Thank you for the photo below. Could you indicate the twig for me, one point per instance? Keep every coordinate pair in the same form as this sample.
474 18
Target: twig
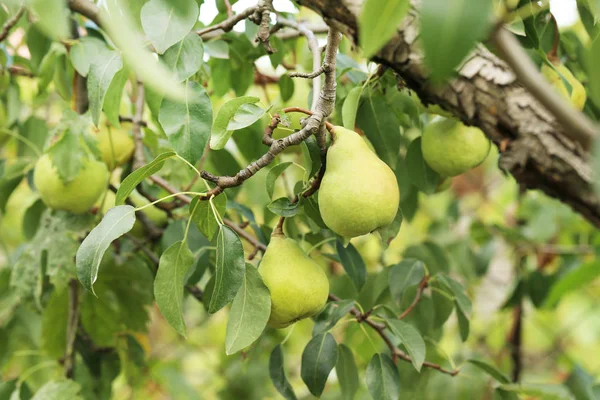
11 22
286 110
72 324
123 118
20 71
228 24
515 342
380 329
321 70
317 29
139 160
262 18
417 298
80 101
228 8
576 124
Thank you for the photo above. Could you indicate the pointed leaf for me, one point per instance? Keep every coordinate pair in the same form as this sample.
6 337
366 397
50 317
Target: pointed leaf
168 285
383 379
203 216
185 58
334 311
277 374
229 269
274 174
116 222
221 132
420 173
407 272
378 22
490 370
347 372
350 107
318 359
390 231
411 339
188 124
573 280
64 389
99 79
249 312
164 25
137 176
353 264
284 207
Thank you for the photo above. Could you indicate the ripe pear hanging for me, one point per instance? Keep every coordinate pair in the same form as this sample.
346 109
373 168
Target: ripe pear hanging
299 287
359 192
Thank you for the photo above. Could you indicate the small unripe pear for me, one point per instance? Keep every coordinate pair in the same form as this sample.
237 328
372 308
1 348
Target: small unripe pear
578 95
451 148
76 196
359 192
299 287
115 145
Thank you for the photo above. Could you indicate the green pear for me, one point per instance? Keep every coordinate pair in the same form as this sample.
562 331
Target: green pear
76 196
359 192
451 148
578 95
299 287
115 145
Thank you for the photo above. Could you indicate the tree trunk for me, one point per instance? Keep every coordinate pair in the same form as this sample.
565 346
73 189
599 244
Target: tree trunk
485 93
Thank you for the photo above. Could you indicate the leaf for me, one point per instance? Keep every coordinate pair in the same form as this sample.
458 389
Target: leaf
221 132
432 255
274 174
53 17
580 384
168 285
54 324
277 374
286 87
408 272
411 339
420 173
203 215
186 57
99 79
63 389
188 124
353 264
318 359
115 223
229 269
334 311
137 176
347 372
463 323
112 100
350 107
378 22
164 25
460 295
84 53
378 121
383 379
245 116
490 370
449 30
284 207
573 280
119 25
389 232
538 391
592 62
249 312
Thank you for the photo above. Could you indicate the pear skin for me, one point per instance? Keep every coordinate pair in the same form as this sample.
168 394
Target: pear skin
115 145
299 287
359 192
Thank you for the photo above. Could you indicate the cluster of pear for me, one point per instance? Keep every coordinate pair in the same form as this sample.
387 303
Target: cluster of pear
83 191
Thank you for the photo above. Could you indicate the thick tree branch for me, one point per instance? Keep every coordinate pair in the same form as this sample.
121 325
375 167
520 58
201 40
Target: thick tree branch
11 22
486 93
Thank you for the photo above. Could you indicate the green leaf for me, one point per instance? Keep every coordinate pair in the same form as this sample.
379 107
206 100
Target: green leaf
411 339
312 155
408 272
63 389
490 370
274 174
188 124
229 269
460 295
32 218
137 176
347 372
112 100
449 30
277 374
580 384
433 256
203 215
318 359
350 107
592 62
539 391
353 264
164 25
54 324
186 57
168 285
378 22
284 207
53 17
389 232
99 79
84 53
286 87
463 322
420 173
333 312
573 280
245 116
249 312
116 222
378 121
221 131
383 379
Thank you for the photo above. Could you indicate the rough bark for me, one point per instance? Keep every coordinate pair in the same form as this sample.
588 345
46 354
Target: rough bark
485 93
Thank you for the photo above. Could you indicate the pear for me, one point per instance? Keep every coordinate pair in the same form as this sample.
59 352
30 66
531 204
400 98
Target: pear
76 196
578 96
359 192
115 145
299 287
451 148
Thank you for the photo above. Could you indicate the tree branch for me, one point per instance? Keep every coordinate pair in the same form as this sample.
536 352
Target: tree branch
72 324
420 290
11 22
228 24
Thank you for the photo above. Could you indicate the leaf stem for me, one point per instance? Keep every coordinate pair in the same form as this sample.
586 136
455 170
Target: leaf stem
168 197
